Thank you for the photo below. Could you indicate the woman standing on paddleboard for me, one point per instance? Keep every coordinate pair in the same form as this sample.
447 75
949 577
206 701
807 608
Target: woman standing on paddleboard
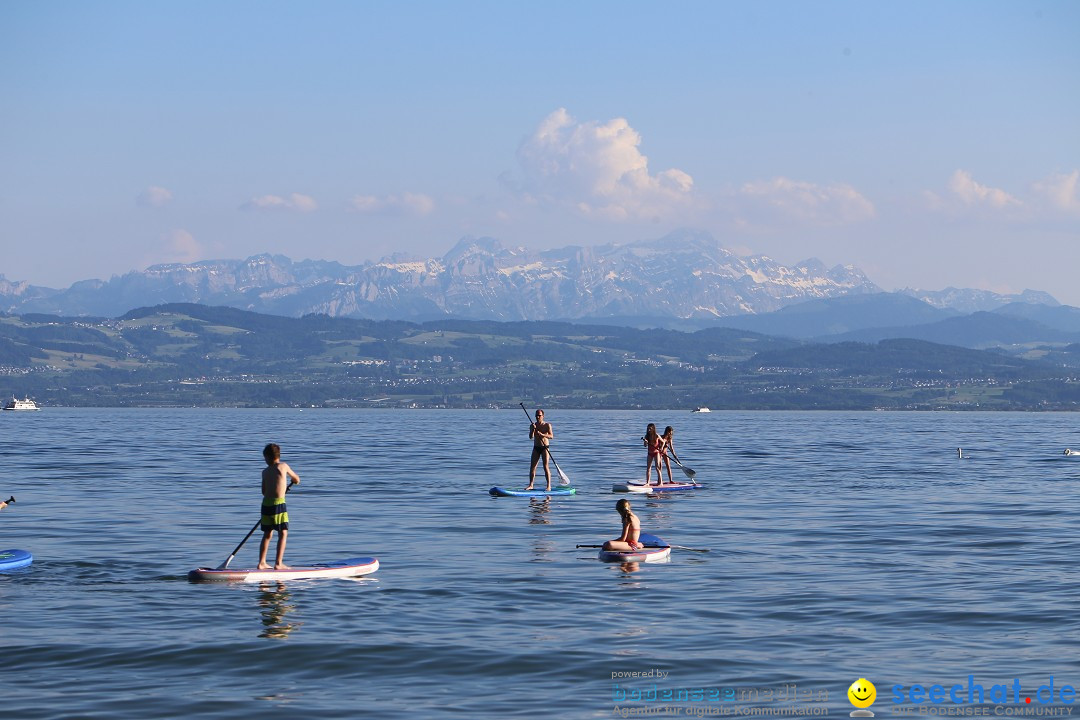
541 434
655 446
631 528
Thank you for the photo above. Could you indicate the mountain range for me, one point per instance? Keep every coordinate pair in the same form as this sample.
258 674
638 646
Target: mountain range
683 281
881 316
685 278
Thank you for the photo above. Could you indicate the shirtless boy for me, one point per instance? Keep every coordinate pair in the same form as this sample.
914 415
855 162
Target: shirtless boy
541 434
276 479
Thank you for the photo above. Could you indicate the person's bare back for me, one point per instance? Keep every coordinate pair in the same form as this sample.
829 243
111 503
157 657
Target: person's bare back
275 479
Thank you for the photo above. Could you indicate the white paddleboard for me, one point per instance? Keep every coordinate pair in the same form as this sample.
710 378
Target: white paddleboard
351 567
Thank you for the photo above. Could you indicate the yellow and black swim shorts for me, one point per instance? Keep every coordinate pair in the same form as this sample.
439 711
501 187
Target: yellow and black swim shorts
274 514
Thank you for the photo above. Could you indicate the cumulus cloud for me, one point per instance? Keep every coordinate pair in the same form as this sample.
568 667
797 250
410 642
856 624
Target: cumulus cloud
969 192
1062 191
294 202
404 204
181 246
597 169
789 200
154 196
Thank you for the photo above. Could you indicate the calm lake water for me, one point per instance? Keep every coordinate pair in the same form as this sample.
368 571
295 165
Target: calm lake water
842 546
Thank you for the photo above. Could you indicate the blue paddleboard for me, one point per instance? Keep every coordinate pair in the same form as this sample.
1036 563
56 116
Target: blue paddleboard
503 492
14 559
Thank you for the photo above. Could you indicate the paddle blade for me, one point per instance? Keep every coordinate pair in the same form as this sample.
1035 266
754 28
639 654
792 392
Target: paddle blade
563 478
688 472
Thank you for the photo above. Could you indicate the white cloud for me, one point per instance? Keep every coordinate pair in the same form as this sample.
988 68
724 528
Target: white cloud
971 193
783 199
294 202
154 196
1062 191
404 204
182 247
597 169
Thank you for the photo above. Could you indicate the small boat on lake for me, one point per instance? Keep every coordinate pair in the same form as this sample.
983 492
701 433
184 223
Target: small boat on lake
25 404
702 409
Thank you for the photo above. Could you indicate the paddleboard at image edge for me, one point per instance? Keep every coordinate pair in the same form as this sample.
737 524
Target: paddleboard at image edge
14 559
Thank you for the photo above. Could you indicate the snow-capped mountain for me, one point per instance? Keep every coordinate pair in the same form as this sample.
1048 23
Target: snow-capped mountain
968 300
683 275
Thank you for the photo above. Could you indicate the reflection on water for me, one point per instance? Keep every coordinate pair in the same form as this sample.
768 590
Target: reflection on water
538 510
860 517
274 601
545 549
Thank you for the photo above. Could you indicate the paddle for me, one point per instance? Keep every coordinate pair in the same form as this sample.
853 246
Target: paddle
687 471
10 500
225 565
563 478
680 547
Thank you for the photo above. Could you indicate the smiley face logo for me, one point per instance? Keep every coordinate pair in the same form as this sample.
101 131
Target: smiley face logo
862 693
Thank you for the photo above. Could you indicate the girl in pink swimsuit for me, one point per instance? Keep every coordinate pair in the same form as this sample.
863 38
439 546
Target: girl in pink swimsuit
655 445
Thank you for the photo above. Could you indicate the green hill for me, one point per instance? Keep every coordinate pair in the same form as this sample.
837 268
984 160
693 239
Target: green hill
186 354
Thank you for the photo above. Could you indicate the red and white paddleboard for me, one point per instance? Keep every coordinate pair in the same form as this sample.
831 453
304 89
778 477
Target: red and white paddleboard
351 567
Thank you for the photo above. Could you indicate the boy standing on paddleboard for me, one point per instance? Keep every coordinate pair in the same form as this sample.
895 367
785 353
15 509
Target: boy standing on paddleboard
276 479
541 434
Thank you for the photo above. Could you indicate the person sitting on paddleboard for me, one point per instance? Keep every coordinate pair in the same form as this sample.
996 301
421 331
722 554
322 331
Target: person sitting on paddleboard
541 434
631 529
276 478
669 447
655 445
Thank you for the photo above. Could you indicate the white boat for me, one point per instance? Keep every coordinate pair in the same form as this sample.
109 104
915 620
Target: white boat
24 404
702 409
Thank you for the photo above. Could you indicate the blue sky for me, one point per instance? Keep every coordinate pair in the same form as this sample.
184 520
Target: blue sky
931 144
